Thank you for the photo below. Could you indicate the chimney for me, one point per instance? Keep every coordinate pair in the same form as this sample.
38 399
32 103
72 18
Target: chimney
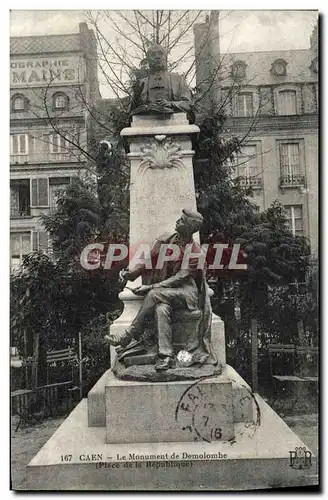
314 38
207 54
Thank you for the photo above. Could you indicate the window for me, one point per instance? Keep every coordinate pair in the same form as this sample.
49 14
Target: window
238 69
248 167
18 103
294 214
244 104
291 164
40 241
316 91
60 101
40 192
290 159
56 186
279 67
314 67
287 102
20 198
58 144
19 144
20 245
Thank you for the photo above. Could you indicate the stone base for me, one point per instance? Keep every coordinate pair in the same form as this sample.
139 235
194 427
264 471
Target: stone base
242 400
180 411
77 458
147 373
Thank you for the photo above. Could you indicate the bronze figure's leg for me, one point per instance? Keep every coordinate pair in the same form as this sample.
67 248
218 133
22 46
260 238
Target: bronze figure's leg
164 319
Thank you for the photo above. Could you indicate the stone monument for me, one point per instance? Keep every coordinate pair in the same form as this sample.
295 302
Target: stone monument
152 424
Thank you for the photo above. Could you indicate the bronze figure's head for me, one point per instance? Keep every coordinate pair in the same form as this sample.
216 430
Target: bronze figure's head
190 222
156 57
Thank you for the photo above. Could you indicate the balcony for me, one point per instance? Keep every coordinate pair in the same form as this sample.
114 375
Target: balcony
254 182
290 181
20 213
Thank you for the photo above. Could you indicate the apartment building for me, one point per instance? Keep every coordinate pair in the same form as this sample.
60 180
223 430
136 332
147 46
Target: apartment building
53 84
271 100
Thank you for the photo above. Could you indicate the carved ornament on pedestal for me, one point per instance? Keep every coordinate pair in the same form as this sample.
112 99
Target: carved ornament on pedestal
161 153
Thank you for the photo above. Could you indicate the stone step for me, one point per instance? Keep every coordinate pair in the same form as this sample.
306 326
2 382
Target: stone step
77 457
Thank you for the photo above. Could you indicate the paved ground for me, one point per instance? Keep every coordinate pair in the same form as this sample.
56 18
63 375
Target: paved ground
26 442
306 427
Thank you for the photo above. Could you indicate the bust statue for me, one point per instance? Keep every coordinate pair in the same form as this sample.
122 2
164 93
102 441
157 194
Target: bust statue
161 92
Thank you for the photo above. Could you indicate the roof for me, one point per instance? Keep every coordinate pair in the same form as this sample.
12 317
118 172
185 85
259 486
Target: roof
259 65
48 43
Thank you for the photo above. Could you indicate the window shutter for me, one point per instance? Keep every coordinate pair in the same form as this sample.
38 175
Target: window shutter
43 193
43 241
31 144
287 102
34 196
46 143
35 242
40 192
23 143
14 144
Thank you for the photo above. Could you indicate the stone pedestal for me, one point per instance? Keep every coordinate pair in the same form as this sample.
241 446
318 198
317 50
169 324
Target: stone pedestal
140 412
161 176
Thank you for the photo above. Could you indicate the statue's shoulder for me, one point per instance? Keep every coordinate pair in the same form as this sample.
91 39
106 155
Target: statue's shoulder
140 83
165 237
176 77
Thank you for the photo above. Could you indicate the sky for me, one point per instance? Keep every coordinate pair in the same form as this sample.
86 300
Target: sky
240 30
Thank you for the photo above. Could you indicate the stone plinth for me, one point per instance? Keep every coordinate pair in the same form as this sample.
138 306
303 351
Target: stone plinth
242 400
258 457
139 412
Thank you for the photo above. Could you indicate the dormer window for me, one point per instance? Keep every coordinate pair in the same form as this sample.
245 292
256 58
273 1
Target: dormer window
315 65
279 67
238 70
19 103
60 101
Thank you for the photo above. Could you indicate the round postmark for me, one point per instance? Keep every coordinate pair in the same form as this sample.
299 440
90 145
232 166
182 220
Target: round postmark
205 415
198 414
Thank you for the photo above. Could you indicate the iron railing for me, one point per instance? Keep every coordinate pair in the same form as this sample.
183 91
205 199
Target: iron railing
292 180
20 212
251 181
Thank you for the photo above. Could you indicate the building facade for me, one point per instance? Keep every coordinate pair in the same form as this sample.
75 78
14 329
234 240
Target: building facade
53 84
271 100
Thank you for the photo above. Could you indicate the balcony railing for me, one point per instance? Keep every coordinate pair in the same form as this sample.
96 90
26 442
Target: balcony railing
20 212
43 158
255 182
292 180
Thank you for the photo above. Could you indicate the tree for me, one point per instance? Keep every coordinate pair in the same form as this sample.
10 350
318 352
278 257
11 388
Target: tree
64 298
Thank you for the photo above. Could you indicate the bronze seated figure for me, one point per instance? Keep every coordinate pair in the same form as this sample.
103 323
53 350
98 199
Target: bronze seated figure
174 321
